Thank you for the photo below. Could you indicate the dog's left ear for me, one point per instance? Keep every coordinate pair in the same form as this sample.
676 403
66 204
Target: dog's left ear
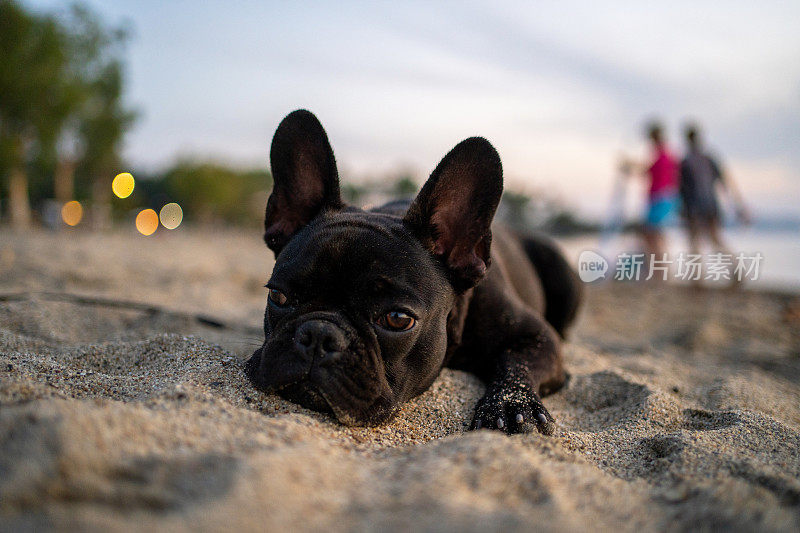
452 214
305 178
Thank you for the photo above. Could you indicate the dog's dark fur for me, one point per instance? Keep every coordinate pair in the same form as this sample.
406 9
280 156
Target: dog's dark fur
341 269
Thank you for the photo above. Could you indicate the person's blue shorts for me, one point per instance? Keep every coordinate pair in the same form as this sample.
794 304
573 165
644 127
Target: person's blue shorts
660 209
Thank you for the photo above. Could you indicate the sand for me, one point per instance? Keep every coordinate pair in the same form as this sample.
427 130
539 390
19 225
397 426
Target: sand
683 410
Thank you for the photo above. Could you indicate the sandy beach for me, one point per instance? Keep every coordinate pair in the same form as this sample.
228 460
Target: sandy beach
123 406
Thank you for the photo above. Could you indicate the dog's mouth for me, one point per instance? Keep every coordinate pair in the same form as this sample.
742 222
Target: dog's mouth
301 391
324 391
306 394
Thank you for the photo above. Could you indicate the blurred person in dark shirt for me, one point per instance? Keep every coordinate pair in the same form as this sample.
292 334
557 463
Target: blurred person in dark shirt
701 177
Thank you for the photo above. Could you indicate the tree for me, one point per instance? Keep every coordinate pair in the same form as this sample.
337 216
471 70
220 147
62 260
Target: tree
211 192
32 56
404 186
102 118
61 84
516 205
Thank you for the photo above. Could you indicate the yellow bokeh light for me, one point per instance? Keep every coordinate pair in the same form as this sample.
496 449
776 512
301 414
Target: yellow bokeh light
171 215
147 222
72 213
123 185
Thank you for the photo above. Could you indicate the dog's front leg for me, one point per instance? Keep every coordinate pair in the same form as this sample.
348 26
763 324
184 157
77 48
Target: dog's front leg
528 366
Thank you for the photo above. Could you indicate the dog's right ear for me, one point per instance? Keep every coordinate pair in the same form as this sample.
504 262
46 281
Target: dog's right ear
305 178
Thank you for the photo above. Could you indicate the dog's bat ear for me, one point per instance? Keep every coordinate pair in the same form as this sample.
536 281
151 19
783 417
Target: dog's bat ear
305 178
452 214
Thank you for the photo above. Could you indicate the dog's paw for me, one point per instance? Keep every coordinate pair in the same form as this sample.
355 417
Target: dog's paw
513 410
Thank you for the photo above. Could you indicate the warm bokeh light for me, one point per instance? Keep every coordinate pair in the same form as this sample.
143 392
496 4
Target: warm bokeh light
147 222
171 215
72 213
123 184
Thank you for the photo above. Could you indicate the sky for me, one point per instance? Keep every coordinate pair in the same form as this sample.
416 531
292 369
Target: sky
561 89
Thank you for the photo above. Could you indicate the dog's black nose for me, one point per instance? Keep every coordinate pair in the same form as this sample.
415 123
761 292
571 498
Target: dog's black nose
320 339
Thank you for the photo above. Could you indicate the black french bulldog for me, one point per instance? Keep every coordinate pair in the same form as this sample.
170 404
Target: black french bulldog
366 307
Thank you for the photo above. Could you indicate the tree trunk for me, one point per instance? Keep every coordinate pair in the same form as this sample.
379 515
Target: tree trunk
19 205
18 201
64 181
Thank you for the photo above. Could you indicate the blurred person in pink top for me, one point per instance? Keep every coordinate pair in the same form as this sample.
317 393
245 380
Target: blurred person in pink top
662 171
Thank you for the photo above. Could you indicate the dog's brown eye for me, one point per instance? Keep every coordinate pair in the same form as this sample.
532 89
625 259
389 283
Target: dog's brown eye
397 321
277 297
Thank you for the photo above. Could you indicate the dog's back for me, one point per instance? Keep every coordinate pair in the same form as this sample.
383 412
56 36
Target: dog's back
563 291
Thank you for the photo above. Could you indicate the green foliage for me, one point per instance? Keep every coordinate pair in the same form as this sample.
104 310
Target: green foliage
567 223
353 193
211 192
526 213
35 94
101 120
61 81
516 204
404 186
